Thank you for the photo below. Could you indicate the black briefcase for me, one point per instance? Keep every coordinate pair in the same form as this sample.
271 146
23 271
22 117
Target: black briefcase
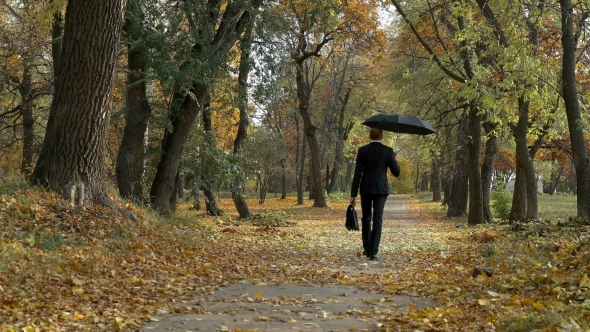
352 222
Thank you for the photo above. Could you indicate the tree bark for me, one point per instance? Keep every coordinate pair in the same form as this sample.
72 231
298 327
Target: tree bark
26 111
283 178
304 94
435 179
487 168
518 210
424 182
129 166
459 191
56 34
342 136
475 215
301 165
237 189
72 156
572 108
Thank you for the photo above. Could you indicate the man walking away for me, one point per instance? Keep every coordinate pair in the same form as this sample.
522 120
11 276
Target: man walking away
370 174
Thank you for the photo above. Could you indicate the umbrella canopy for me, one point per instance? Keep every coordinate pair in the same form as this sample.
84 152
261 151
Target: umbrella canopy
399 123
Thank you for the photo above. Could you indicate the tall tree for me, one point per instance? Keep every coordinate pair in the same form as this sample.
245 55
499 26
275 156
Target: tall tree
219 28
71 160
129 167
572 107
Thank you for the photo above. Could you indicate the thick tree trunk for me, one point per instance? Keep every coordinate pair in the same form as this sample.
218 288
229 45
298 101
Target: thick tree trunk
339 153
173 145
459 189
129 167
519 196
26 111
435 179
475 215
72 157
237 190
572 108
487 168
303 94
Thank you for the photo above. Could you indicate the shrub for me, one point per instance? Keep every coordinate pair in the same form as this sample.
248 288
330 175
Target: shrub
501 202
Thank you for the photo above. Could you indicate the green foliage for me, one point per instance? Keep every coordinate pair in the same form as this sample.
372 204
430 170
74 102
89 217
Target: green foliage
501 202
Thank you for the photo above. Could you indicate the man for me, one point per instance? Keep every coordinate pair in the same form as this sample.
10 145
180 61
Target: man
370 174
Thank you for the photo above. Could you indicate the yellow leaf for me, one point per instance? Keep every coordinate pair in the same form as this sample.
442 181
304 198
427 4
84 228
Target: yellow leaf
28 328
263 319
119 319
412 307
78 291
10 329
78 315
483 302
538 305
291 320
257 295
208 265
585 282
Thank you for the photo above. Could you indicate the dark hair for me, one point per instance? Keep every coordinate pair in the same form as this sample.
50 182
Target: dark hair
375 134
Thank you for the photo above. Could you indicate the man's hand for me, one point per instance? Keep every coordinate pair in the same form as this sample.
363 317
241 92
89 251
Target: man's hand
353 201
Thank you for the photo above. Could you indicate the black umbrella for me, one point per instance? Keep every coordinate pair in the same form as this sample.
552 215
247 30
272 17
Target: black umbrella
399 123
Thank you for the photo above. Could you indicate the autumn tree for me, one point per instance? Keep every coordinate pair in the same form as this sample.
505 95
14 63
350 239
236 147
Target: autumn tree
216 29
71 160
25 74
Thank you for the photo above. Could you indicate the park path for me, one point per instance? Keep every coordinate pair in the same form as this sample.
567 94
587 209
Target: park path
305 307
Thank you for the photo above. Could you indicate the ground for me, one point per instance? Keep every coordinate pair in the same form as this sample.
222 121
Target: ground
69 269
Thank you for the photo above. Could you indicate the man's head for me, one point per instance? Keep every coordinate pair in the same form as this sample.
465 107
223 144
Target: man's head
376 134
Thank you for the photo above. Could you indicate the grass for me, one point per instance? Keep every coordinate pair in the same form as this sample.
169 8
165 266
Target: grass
554 208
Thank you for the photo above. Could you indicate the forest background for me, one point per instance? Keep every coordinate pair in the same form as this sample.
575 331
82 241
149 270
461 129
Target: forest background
161 102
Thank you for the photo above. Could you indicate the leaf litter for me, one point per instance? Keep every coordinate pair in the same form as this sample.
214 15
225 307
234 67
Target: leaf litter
63 268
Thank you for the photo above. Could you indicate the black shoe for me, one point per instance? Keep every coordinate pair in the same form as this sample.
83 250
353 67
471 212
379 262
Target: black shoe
373 258
366 254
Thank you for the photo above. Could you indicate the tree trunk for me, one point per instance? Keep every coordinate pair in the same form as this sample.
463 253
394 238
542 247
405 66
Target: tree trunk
342 136
195 195
303 94
56 34
475 216
173 145
186 105
435 179
129 167
459 191
447 190
487 168
310 179
519 197
72 156
206 183
26 111
349 170
572 108
424 182
301 161
237 189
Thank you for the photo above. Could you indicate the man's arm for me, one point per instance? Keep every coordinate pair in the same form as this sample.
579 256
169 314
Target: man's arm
356 180
393 165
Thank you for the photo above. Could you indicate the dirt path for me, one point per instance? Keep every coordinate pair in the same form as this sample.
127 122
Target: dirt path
288 306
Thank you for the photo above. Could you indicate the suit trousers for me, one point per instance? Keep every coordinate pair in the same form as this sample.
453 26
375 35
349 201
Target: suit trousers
372 207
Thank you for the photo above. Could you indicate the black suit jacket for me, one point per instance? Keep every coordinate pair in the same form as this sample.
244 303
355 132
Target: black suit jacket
370 173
